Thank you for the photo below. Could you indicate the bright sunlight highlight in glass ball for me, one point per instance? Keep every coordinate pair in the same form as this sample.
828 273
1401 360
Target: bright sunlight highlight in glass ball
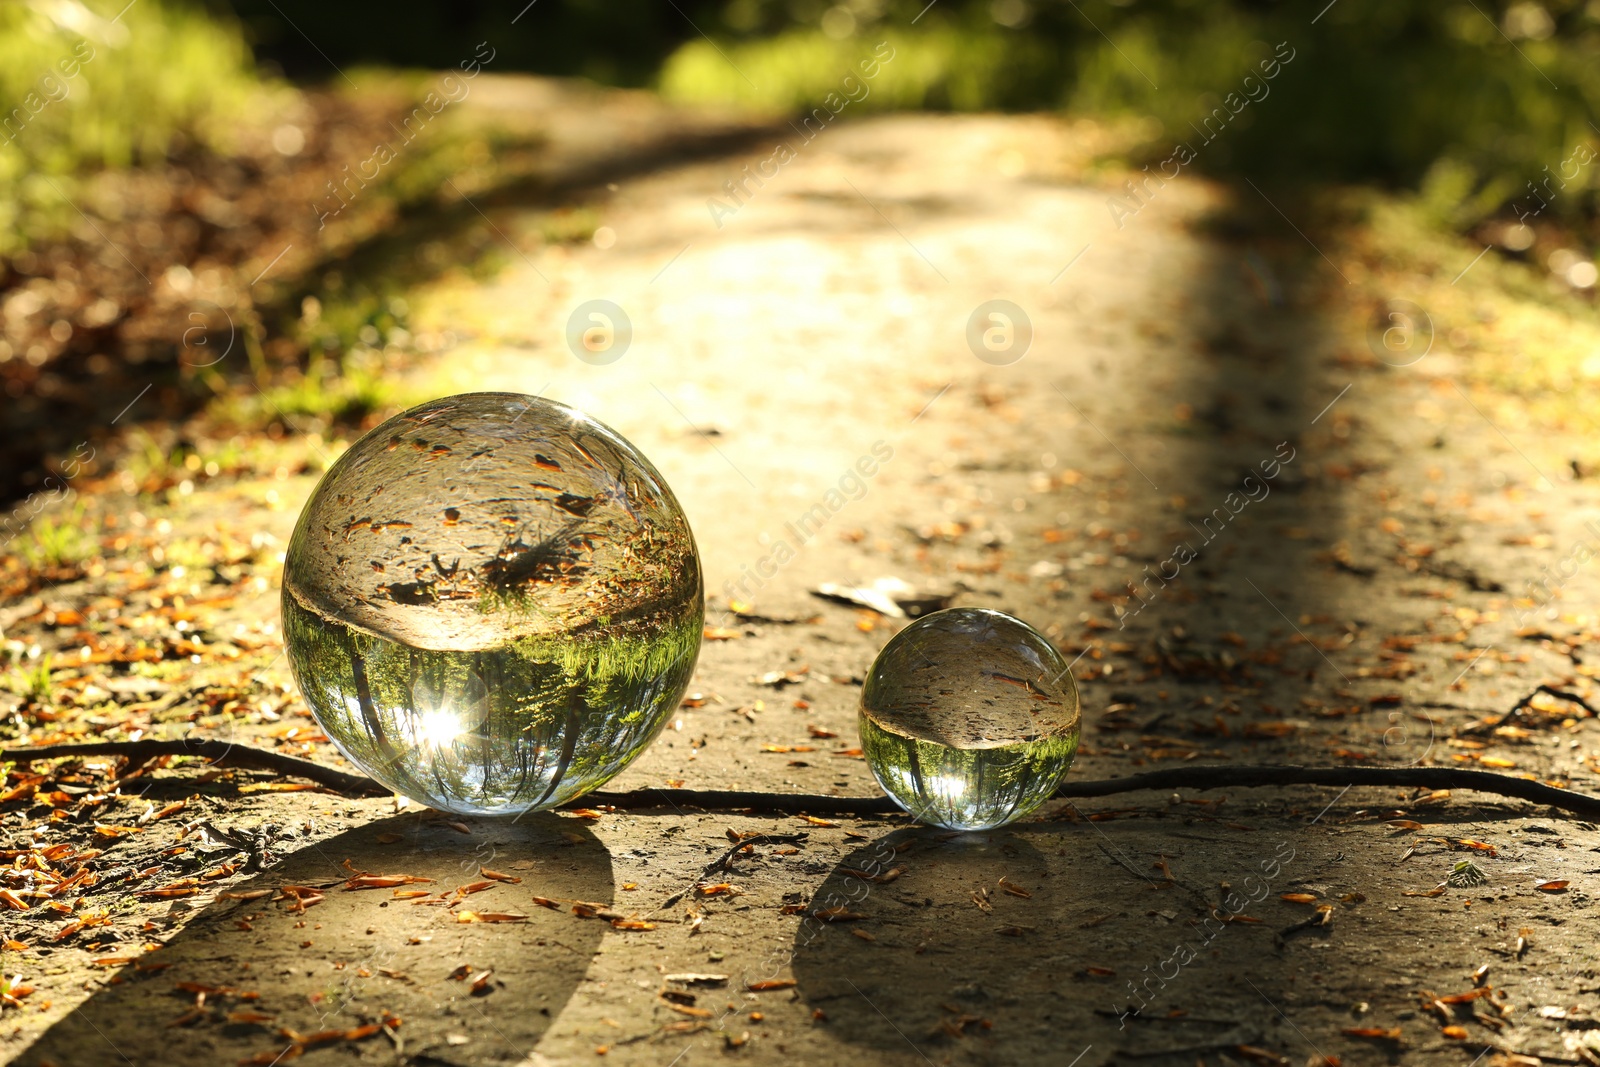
492 603
969 718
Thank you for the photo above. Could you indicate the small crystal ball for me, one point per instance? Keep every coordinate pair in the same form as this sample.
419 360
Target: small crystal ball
969 718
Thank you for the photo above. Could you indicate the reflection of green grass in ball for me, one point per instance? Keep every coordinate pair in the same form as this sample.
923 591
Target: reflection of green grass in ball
530 724
966 788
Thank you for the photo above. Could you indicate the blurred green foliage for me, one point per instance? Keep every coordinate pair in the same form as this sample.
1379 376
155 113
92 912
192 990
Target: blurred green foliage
1476 105
1469 102
82 87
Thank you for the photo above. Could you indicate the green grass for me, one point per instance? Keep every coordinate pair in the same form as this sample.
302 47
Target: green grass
341 390
1530 344
31 683
80 92
63 542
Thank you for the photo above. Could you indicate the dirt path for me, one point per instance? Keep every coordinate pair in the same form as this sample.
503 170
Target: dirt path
1195 379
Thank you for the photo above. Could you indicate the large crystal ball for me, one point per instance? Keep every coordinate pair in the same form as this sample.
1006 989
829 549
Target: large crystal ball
492 603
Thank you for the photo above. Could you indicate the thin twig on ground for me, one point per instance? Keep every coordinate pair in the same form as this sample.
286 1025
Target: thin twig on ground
722 861
1218 776
1489 725
1320 919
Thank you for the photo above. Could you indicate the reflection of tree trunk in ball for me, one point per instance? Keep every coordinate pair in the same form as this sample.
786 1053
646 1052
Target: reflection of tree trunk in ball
369 713
914 763
569 744
965 788
534 723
